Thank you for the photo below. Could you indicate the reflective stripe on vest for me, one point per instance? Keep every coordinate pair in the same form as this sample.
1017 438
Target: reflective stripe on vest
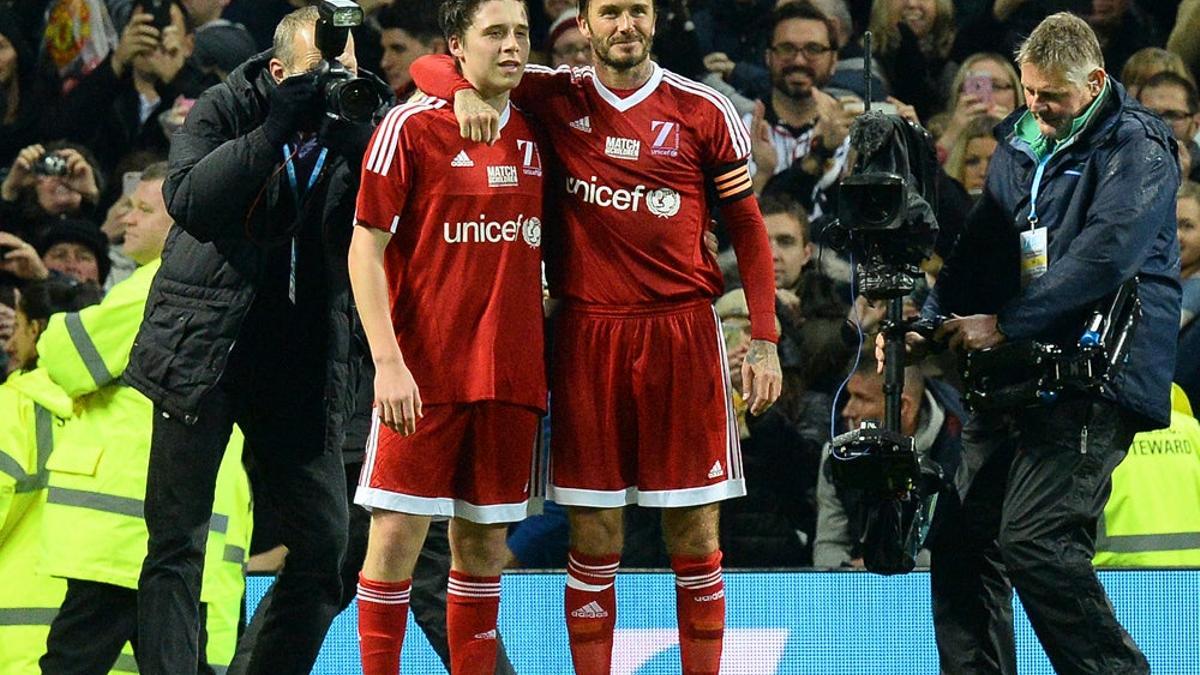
44 428
234 554
87 349
27 616
125 506
1144 543
126 663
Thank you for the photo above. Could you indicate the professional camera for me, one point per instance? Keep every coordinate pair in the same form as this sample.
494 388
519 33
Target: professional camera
347 97
50 164
886 219
1029 373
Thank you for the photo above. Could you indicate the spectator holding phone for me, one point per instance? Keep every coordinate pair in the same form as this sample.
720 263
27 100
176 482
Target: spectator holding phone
985 84
116 109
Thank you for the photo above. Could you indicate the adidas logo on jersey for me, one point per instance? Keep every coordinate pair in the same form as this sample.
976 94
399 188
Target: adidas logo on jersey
489 635
583 124
622 148
592 610
716 471
461 160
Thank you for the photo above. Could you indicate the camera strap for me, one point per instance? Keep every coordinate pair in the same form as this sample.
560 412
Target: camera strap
298 199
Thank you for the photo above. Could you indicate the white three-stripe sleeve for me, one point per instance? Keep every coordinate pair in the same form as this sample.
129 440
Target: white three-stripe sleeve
739 137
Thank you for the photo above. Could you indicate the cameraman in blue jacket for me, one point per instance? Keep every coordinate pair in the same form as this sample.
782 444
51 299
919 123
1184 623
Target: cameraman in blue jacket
1079 200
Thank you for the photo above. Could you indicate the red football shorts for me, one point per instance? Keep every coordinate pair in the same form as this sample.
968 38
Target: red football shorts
640 408
471 461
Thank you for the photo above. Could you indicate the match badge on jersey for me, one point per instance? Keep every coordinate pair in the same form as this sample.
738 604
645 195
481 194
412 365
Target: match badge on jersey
663 202
502 176
623 148
666 138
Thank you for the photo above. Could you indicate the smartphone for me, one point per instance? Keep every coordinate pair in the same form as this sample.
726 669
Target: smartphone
160 10
978 85
129 182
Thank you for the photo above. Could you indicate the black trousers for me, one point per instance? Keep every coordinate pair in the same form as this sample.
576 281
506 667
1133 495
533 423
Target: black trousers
285 431
1028 521
93 624
428 602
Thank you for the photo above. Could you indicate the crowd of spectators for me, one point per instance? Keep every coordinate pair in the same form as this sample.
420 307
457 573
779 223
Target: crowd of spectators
91 91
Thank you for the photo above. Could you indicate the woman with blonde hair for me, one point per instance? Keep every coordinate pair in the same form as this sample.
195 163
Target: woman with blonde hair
986 84
913 39
971 153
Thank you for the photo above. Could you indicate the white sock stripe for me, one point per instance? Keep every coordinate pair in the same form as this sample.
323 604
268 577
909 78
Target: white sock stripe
470 590
377 595
578 585
572 562
699 584
699 581
479 584
382 602
716 572
471 595
585 577
377 591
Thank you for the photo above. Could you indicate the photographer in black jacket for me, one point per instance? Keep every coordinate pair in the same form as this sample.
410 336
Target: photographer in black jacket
249 321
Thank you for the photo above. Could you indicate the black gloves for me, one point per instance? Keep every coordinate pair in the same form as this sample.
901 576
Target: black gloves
294 106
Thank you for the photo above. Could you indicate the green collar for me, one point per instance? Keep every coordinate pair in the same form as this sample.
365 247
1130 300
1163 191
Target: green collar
1027 129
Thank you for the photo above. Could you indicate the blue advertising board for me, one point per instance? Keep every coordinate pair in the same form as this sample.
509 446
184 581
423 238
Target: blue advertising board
790 623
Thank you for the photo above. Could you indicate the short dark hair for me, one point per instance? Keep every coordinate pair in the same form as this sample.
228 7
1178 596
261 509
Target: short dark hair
776 203
40 299
1170 79
806 11
455 16
418 18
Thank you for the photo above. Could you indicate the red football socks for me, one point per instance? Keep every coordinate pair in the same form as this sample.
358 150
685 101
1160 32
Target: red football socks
382 618
591 607
700 606
472 604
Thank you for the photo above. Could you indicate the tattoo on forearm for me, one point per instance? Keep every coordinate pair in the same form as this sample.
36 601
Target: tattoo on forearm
762 352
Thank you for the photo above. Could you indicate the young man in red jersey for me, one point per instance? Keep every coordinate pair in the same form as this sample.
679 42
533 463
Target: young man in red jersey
445 263
641 395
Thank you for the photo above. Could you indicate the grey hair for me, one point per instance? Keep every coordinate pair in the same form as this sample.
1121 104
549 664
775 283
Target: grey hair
1063 42
285 32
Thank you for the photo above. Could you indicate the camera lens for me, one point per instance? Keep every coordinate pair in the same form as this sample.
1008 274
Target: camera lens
356 99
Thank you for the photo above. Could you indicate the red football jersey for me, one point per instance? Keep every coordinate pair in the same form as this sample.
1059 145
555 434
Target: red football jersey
464 264
636 171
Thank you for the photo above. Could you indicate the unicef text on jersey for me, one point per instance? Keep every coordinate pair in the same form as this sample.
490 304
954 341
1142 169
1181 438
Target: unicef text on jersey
484 231
662 202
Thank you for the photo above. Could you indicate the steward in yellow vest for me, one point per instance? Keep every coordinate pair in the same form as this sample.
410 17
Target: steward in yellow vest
94 533
1153 516
32 412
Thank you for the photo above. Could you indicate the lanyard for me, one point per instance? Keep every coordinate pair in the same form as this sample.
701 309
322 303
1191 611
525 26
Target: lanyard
297 197
1033 191
291 173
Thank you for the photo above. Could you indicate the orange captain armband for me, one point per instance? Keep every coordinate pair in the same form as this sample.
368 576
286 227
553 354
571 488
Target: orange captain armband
731 181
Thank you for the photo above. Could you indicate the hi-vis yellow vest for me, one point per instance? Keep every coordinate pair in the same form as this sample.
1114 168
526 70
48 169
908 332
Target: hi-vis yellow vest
94 527
32 409
1153 516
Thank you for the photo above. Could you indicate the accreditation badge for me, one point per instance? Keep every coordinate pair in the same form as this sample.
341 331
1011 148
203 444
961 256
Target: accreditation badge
1034 255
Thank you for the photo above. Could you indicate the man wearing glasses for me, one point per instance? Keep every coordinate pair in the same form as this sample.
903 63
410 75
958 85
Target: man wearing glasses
1174 98
799 124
